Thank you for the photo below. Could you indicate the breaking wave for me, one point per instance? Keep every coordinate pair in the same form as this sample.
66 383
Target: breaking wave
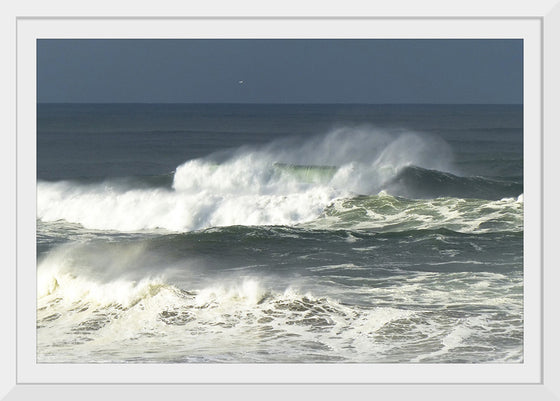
283 183
87 312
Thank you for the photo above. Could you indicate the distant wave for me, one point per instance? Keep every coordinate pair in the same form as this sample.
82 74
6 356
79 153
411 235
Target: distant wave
283 183
417 182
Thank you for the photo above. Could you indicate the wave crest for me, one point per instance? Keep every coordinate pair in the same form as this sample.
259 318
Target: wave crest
234 315
284 183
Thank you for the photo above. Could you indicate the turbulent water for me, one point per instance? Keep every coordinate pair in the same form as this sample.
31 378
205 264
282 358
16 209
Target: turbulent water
270 233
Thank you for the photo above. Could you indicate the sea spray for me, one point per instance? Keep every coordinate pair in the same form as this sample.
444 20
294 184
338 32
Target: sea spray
248 188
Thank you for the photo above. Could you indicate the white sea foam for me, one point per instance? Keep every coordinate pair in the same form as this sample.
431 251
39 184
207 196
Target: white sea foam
98 207
121 317
63 276
385 211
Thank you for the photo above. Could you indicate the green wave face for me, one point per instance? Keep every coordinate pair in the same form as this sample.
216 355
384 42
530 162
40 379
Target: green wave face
308 174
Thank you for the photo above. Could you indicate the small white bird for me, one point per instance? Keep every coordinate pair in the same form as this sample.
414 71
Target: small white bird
240 82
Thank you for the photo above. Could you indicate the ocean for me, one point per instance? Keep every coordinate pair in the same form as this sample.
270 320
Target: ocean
253 233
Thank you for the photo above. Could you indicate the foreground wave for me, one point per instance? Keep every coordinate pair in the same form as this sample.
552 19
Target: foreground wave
252 320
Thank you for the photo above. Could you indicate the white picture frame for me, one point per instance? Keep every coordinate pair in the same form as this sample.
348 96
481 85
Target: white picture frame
23 379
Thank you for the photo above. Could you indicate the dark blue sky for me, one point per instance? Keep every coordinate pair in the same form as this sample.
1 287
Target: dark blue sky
280 71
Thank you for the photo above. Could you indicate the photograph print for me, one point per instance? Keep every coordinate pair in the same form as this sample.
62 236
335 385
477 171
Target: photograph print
280 201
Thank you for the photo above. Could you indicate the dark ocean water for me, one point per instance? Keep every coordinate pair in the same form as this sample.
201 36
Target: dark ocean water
280 233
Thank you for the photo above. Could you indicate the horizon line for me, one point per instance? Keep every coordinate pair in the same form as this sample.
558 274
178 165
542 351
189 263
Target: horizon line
292 103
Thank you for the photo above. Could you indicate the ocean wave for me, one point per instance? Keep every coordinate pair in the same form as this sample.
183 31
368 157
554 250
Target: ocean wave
387 213
82 316
92 312
317 208
278 184
416 182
